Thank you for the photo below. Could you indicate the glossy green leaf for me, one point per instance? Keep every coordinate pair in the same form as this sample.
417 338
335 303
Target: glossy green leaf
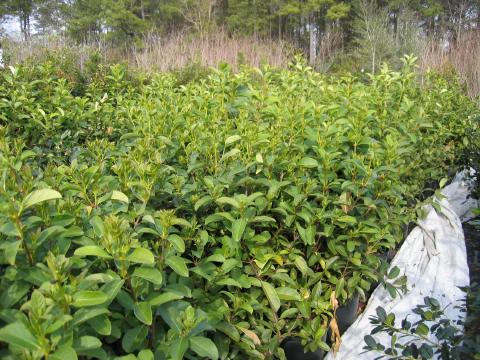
145 354
177 264
272 295
228 201
157 300
89 298
141 256
134 338
347 219
150 274
101 324
302 265
92 250
229 330
179 348
143 312
204 347
83 315
177 242
17 334
64 352
286 293
119 196
39 196
238 227
202 201
230 154
87 342
98 226
308 162
232 139
394 272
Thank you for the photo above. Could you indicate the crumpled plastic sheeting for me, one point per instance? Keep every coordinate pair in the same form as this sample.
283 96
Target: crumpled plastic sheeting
434 259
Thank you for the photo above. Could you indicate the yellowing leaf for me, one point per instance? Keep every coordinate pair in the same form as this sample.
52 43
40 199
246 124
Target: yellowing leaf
251 335
336 340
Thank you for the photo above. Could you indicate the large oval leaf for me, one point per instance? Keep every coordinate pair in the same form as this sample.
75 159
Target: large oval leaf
141 256
232 139
286 293
145 354
39 196
157 300
204 347
177 264
17 334
89 298
150 274
308 162
64 352
92 250
119 196
238 228
272 295
143 312
177 242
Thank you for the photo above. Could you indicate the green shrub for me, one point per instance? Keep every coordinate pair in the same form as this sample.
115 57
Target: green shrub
433 335
211 219
194 71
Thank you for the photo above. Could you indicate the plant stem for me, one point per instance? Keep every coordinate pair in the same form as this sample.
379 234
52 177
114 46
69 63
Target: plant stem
24 241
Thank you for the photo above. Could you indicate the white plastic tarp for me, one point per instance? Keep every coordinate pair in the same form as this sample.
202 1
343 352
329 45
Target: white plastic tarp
434 259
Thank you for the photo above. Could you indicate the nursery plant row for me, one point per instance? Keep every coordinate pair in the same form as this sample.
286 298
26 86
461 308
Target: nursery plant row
142 219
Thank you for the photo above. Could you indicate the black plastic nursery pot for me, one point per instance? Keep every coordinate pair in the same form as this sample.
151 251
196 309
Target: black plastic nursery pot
347 313
294 350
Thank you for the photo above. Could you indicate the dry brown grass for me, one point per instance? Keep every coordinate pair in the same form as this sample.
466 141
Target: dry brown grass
178 50
39 49
463 56
164 53
329 45
159 53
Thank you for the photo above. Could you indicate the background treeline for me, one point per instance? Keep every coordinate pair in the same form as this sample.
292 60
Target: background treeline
334 35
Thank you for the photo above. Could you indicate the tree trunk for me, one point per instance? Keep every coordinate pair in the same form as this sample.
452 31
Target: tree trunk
24 26
313 41
279 28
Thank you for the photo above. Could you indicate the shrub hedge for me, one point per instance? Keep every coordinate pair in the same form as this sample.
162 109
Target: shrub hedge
146 219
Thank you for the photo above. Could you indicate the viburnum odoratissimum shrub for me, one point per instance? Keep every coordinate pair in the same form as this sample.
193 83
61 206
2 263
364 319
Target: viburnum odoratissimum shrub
209 220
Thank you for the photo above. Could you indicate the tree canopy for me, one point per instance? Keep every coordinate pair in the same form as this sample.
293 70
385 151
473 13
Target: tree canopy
303 22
